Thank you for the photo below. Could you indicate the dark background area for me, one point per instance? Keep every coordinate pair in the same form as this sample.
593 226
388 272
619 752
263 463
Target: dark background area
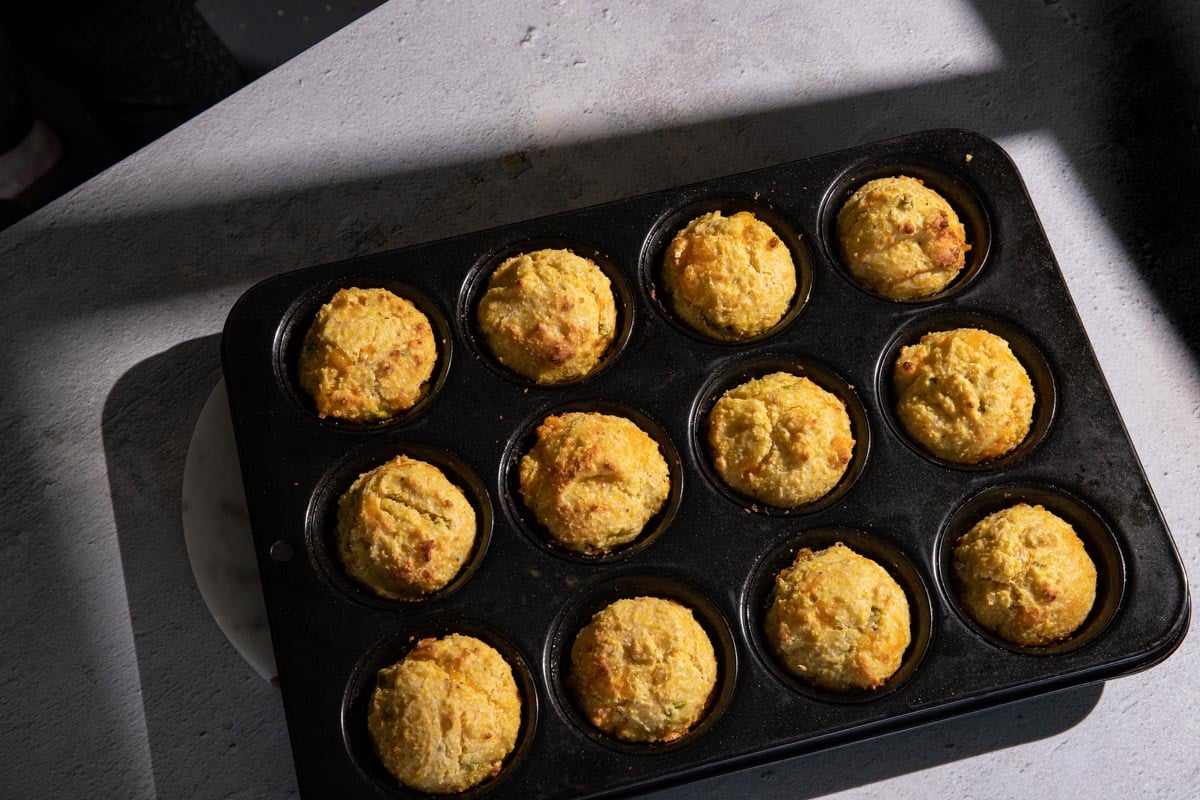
263 35
109 78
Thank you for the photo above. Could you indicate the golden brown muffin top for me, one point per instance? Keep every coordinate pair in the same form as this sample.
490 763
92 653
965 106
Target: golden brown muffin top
963 395
445 717
594 480
901 239
730 278
838 620
1025 575
549 315
368 356
404 529
644 670
780 439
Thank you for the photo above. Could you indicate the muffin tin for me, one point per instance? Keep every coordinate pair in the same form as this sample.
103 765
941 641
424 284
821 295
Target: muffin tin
710 549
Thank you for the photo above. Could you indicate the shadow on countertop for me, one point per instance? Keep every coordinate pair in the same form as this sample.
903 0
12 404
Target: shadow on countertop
111 78
903 752
1117 85
215 728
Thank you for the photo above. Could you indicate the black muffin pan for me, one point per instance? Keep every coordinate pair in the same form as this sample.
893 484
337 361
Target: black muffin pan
709 548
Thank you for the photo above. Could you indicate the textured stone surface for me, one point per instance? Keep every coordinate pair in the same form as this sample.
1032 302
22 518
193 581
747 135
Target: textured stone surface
428 119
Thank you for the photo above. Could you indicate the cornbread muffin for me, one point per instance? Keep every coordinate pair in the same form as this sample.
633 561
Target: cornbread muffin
404 529
963 395
643 670
730 278
445 717
1024 574
838 620
368 356
594 480
549 315
780 439
901 239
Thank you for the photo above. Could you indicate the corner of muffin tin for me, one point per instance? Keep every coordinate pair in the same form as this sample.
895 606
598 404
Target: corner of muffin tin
770 538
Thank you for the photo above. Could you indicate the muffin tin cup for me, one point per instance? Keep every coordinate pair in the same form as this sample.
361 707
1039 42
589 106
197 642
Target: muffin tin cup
476 284
393 649
1029 354
523 518
664 230
299 319
321 530
739 370
1098 540
761 585
711 549
578 615
950 181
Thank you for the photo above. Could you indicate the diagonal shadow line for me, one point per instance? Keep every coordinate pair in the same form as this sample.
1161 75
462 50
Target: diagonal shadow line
207 246
204 249
1152 120
1133 134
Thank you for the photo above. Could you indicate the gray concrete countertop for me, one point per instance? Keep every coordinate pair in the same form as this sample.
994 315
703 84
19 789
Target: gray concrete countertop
426 119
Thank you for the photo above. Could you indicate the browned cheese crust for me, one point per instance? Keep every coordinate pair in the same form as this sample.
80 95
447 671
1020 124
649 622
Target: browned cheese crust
838 620
901 239
644 670
404 529
780 439
594 480
368 356
445 717
730 278
963 395
549 315
1024 574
